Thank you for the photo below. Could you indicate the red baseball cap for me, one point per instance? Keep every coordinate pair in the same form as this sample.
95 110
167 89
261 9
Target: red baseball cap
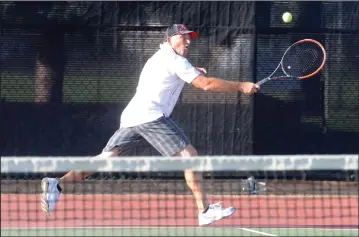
179 29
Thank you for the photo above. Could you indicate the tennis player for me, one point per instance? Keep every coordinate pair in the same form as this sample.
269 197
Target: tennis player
147 117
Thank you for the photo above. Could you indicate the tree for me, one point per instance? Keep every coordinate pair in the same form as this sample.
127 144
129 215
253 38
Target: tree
53 20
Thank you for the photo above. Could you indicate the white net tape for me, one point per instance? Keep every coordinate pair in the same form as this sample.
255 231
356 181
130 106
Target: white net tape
158 164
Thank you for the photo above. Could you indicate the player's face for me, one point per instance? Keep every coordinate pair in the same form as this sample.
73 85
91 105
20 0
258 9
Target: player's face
180 44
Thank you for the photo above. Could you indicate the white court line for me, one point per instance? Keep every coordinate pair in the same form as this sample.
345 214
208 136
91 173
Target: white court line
257 232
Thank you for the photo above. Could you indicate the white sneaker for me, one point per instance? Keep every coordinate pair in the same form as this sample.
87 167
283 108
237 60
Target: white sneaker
215 212
51 194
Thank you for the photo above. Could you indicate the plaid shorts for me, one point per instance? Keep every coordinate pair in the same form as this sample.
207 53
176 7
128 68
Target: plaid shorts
163 134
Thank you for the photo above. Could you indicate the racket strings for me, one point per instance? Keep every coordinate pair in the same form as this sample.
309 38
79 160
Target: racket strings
302 59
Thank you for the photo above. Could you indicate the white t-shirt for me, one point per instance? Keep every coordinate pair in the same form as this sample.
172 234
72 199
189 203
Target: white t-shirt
160 84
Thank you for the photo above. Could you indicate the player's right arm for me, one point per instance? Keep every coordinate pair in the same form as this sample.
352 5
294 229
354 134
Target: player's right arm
220 85
196 77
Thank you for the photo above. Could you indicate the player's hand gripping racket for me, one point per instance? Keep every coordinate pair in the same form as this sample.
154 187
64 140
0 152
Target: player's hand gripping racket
303 59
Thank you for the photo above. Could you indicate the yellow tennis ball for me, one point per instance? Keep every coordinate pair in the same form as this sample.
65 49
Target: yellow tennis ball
287 17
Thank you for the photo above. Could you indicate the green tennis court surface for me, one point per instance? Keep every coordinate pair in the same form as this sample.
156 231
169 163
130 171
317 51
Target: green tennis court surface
178 231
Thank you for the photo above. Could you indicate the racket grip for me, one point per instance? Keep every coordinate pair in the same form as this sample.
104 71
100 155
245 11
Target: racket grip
261 82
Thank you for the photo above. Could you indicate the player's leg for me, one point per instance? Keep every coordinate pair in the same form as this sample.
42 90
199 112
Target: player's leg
194 179
71 177
164 135
122 139
167 138
208 213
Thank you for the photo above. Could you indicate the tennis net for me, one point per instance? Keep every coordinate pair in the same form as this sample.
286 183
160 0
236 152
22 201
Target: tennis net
293 195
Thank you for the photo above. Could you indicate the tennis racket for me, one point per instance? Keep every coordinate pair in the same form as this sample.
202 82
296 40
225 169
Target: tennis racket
303 59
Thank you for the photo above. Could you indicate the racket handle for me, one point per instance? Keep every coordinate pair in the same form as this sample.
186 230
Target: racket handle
261 82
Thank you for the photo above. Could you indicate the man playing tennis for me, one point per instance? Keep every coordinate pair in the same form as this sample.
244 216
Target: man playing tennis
146 117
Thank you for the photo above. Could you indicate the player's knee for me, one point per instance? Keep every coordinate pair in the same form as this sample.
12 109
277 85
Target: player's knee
189 150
